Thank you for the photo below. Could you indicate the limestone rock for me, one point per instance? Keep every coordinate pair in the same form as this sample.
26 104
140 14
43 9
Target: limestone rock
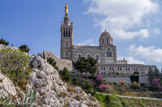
7 89
52 91
6 86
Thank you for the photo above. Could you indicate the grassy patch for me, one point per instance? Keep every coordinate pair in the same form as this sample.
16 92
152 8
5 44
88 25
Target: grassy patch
114 101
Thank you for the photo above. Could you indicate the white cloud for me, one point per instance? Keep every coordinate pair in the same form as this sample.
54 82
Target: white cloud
131 60
149 53
88 42
84 1
121 34
119 16
156 30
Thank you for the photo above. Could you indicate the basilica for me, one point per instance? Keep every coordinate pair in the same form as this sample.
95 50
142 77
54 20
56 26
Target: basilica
105 53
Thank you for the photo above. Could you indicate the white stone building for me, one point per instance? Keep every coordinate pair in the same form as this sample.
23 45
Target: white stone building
105 53
111 68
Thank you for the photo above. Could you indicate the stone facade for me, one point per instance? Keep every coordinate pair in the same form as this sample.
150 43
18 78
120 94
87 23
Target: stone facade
105 53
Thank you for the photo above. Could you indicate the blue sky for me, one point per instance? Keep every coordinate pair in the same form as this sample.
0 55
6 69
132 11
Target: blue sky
135 25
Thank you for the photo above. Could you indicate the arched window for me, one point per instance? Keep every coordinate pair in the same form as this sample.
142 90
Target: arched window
66 33
69 33
108 54
107 40
97 57
103 41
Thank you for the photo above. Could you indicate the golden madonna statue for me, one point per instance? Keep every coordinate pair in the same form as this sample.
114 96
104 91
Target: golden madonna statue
66 9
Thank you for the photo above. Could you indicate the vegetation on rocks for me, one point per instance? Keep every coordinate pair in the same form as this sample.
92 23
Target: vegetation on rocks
52 62
14 64
24 48
4 42
28 101
65 75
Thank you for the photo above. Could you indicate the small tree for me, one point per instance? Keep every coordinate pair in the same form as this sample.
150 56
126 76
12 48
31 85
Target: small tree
52 62
4 42
151 75
24 48
157 73
86 65
75 81
65 75
134 77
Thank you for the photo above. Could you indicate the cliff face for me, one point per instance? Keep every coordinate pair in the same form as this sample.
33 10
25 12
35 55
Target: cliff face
7 88
51 90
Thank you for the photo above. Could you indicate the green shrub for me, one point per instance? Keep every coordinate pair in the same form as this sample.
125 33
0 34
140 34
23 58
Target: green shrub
87 87
125 103
101 99
114 98
134 78
53 63
65 75
4 42
141 103
24 48
115 104
117 73
14 64
136 73
108 100
75 81
135 85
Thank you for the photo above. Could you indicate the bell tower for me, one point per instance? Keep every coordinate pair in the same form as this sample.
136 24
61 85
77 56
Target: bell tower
66 37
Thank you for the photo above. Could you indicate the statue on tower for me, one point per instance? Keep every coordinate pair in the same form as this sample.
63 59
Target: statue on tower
66 9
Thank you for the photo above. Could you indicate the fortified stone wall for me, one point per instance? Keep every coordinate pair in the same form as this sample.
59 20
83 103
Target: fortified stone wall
143 79
61 63
117 79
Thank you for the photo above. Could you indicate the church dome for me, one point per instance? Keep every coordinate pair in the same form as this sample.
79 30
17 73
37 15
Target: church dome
106 34
105 38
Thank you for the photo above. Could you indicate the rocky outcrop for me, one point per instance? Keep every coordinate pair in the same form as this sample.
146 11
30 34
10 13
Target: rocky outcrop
7 89
52 91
